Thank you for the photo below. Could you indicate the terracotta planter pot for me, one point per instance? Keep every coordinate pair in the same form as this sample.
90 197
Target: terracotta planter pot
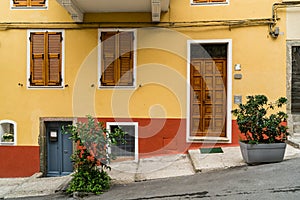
262 153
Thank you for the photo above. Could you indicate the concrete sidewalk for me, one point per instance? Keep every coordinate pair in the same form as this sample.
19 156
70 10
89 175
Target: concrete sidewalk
131 171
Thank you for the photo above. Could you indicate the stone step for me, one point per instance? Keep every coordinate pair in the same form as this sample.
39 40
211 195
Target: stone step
296 135
296 118
296 128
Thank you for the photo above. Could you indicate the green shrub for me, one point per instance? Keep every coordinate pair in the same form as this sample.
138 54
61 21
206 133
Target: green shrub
259 126
91 158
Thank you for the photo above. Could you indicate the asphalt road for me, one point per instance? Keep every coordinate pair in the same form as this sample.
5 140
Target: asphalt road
268 181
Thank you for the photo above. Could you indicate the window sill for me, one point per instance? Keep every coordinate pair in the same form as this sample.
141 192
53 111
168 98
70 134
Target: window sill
7 143
30 8
117 87
210 4
208 139
45 87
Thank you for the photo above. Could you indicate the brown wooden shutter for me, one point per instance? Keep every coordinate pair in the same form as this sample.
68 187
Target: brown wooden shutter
109 61
18 3
54 59
126 58
25 3
38 2
37 62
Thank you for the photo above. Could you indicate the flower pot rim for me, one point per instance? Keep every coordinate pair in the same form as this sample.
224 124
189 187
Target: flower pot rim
247 142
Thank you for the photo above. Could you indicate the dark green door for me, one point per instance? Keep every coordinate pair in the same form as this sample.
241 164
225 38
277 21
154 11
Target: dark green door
59 150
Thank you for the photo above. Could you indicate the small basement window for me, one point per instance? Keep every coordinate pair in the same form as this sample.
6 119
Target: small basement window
8 132
128 150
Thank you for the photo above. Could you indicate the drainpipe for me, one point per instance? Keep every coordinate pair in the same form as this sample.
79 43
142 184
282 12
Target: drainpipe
274 31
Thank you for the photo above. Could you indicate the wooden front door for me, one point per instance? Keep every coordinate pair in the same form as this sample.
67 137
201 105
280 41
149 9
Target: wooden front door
208 97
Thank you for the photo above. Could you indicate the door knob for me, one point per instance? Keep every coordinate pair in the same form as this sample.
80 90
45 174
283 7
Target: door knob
65 151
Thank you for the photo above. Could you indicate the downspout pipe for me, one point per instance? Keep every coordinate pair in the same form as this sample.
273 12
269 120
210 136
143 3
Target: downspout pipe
274 31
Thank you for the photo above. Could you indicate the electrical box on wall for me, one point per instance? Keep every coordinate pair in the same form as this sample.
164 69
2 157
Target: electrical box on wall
237 67
238 76
237 99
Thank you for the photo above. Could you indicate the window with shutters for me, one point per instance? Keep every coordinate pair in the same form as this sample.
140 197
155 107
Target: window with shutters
45 58
28 3
208 2
117 58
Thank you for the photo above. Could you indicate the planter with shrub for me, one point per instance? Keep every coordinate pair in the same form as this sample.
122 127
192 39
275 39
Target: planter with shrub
264 129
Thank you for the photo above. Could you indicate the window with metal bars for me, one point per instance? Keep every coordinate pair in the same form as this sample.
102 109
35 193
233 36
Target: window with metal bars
127 148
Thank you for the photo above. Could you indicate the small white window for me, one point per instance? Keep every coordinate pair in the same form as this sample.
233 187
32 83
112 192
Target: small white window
128 150
8 132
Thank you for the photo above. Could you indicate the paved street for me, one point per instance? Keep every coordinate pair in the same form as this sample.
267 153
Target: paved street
269 181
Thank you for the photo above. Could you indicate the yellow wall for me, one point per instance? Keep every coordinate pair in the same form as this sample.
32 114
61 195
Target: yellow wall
161 65
54 13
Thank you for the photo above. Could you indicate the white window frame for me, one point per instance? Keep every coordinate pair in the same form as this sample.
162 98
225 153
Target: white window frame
210 4
228 138
62 86
133 86
6 121
136 125
12 7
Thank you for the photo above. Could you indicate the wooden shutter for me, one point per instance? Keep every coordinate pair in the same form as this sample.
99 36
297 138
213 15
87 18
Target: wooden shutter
54 59
38 2
25 3
126 58
18 3
37 62
109 61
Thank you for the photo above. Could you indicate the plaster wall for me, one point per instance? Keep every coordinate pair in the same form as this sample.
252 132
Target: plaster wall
160 90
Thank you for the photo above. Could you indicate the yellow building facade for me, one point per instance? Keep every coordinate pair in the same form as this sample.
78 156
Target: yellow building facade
169 72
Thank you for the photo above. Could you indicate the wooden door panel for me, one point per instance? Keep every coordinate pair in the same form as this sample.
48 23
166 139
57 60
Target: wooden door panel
207 110
197 97
197 82
219 110
219 83
207 97
220 66
209 81
219 96
208 70
197 110
206 124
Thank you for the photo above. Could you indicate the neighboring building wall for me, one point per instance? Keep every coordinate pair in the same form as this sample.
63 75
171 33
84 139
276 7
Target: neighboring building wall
159 101
293 40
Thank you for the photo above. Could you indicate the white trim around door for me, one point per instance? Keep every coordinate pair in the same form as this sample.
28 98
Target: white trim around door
228 138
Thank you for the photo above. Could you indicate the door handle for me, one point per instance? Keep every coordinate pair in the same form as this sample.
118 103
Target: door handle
65 151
